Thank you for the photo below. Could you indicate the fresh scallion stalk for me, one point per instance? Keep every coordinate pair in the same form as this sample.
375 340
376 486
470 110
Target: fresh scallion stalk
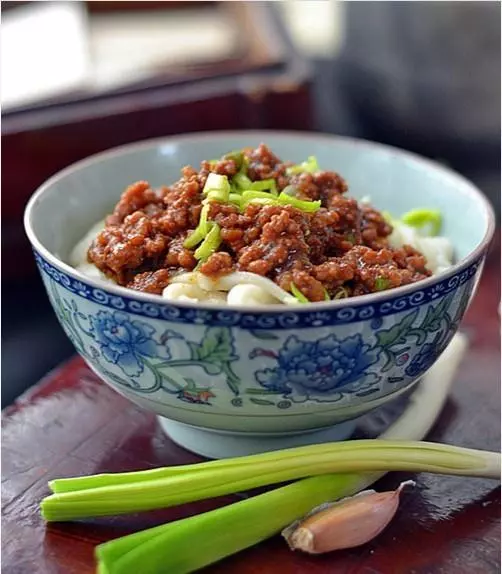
221 532
210 244
309 166
298 294
225 531
326 296
308 206
244 473
424 219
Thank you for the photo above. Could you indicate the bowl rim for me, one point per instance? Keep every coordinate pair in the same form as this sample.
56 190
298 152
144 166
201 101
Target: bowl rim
469 188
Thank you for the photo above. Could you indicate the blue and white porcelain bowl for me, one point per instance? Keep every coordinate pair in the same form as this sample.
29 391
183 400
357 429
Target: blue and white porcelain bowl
226 380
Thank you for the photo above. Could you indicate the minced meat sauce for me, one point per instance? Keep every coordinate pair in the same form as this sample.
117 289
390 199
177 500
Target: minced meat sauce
338 251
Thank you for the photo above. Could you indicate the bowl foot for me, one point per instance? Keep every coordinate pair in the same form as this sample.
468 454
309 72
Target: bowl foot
217 444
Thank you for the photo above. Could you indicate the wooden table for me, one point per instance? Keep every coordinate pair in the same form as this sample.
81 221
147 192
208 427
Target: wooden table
71 424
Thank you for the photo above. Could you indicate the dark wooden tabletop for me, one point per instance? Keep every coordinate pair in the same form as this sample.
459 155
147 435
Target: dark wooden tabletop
71 423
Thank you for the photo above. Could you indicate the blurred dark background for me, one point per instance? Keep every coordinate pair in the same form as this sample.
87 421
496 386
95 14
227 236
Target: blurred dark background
424 76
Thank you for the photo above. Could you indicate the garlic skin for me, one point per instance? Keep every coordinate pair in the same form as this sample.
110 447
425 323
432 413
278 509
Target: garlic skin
344 524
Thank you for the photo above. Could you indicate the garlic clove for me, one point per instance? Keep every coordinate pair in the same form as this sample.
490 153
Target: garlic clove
347 523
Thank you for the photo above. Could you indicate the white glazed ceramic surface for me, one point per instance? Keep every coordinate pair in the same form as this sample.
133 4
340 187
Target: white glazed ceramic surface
275 369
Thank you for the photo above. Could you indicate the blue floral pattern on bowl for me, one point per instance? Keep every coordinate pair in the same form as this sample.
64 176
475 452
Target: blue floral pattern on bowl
192 366
322 366
125 343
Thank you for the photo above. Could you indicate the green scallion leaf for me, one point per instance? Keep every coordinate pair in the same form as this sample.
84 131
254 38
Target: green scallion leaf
210 244
308 206
298 294
326 296
428 219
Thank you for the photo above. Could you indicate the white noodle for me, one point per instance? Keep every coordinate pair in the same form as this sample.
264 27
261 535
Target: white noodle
437 250
78 256
269 291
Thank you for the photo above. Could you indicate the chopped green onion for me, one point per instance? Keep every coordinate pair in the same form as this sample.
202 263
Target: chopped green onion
326 295
236 156
423 218
216 182
210 244
235 198
290 190
308 206
381 283
200 231
219 195
193 239
250 194
265 184
222 532
242 181
341 293
309 166
298 294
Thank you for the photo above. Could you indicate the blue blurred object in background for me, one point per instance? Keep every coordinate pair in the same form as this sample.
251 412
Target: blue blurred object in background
424 76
